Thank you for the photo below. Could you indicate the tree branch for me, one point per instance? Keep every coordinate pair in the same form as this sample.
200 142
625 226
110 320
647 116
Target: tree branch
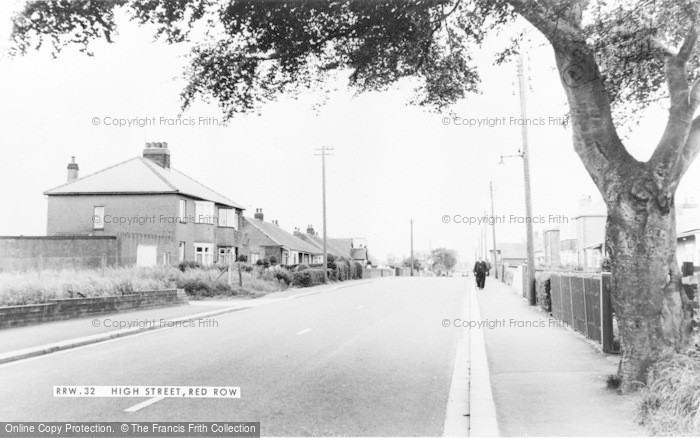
667 160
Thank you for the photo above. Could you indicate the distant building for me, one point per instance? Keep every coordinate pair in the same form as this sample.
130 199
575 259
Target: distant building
590 233
311 237
355 246
688 232
158 214
511 254
265 240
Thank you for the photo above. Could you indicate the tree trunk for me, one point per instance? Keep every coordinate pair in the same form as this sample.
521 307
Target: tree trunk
653 312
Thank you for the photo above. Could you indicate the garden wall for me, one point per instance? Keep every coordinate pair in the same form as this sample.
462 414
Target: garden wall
56 310
57 252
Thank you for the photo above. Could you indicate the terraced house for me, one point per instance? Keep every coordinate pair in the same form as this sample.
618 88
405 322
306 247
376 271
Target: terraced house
158 214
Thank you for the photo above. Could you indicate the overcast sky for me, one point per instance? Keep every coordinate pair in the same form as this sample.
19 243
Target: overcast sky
392 162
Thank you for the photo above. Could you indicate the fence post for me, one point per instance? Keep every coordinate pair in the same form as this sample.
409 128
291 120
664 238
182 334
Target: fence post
585 308
606 329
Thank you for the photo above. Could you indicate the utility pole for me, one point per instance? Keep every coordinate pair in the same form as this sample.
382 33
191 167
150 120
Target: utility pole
532 299
493 232
484 234
324 151
412 261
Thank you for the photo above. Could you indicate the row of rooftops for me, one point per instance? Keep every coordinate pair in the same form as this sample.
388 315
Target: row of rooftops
152 174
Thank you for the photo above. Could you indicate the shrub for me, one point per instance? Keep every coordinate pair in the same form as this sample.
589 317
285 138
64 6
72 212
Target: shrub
247 268
331 261
284 276
266 262
543 288
360 270
259 262
671 401
307 278
301 267
242 258
273 260
182 266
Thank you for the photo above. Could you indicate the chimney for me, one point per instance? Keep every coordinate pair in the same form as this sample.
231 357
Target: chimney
310 230
72 170
158 152
584 201
275 222
297 232
259 214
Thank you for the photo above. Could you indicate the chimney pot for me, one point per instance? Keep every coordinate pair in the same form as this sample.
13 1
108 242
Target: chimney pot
72 170
158 152
259 214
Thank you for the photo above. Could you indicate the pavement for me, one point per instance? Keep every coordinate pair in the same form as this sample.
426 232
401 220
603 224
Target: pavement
546 379
371 359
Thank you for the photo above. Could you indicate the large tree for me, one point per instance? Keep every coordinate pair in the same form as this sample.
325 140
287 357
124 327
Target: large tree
444 259
613 61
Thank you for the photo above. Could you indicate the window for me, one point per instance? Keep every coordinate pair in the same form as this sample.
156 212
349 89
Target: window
204 253
225 253
228 217
183 211
204 212
182 251
98 218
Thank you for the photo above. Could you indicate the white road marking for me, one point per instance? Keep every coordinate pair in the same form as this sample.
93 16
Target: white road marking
360 307
144 404
304 331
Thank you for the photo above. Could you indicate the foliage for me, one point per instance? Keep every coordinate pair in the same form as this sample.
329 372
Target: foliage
259 262
543 290
301 267
18 288
242 258
445 259
307 278
273 260
671 401
330 261
184 265
266 262
416 263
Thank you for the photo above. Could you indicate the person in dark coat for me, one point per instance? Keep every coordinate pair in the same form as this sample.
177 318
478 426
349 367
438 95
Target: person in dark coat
480 270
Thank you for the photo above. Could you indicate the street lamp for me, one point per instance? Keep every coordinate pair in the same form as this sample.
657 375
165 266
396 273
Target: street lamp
530 288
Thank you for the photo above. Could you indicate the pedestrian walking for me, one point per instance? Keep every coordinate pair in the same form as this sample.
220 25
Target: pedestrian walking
480 270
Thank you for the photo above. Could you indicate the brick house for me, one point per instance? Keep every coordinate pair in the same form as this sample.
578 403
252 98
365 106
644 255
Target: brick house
158 214
265 240
312 238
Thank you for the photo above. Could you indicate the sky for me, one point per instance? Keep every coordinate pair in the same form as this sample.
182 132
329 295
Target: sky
391 162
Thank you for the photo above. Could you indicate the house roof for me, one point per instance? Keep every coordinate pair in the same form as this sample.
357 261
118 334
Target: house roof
282 238
344 245
140 175
317 241
594 209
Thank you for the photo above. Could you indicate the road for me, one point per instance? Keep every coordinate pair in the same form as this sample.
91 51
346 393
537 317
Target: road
370 359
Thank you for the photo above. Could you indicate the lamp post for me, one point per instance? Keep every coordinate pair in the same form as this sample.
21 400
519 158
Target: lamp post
531 297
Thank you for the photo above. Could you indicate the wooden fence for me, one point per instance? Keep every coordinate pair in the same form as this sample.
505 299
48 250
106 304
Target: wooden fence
582 301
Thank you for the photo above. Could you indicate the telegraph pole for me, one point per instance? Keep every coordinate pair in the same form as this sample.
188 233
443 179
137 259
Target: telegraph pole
412 261
532 299
324 151
493 232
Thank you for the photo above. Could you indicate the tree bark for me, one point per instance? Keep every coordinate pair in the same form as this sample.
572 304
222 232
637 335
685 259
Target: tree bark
653 312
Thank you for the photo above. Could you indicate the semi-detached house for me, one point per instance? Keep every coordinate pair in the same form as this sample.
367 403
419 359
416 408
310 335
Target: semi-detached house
158 214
